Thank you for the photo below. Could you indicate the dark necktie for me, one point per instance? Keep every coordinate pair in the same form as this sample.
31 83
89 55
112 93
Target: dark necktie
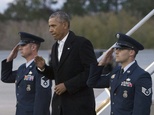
24 68
121 73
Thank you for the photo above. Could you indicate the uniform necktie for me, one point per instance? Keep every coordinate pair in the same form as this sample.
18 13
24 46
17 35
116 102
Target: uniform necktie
24 68
121 73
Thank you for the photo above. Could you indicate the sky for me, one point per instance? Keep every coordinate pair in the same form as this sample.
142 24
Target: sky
4 4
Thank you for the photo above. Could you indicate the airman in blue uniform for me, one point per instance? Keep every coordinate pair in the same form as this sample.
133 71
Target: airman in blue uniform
33 90
130 86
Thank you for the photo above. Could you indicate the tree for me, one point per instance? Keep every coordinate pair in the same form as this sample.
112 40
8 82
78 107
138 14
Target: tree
139 7
75 7
83 7
28 10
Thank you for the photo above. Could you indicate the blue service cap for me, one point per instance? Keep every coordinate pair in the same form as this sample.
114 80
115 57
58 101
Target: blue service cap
125 41
26 38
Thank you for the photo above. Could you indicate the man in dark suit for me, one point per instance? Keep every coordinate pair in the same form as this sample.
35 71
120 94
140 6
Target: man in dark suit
71 56
33 90
130 86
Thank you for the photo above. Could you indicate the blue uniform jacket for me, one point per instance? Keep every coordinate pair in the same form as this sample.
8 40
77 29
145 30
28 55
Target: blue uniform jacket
33 90
130 95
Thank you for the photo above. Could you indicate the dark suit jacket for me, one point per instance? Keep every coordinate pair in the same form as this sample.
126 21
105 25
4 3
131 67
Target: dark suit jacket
73 71
131 94
33 90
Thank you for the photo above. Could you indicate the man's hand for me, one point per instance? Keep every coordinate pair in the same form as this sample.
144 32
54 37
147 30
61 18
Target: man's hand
13 54
40 62
60 88
107 58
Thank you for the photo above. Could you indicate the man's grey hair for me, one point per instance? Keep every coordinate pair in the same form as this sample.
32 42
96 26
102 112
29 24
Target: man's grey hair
62 16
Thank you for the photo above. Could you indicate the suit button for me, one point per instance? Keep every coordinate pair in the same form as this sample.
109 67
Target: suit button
115 94
18 86
112 103
111 113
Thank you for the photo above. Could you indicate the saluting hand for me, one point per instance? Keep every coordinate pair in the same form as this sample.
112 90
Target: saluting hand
107 58
13 54
40 62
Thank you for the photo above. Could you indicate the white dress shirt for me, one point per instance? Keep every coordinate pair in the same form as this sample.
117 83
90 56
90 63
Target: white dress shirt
28 63
61 45
125 68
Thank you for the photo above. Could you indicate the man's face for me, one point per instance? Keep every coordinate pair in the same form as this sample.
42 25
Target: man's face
57 28
26 50
122 55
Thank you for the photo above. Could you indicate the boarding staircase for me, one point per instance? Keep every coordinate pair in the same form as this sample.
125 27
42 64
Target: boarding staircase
103 99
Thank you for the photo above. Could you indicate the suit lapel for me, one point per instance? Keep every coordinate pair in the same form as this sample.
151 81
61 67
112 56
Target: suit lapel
21 72
55 54
115 81
67 48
